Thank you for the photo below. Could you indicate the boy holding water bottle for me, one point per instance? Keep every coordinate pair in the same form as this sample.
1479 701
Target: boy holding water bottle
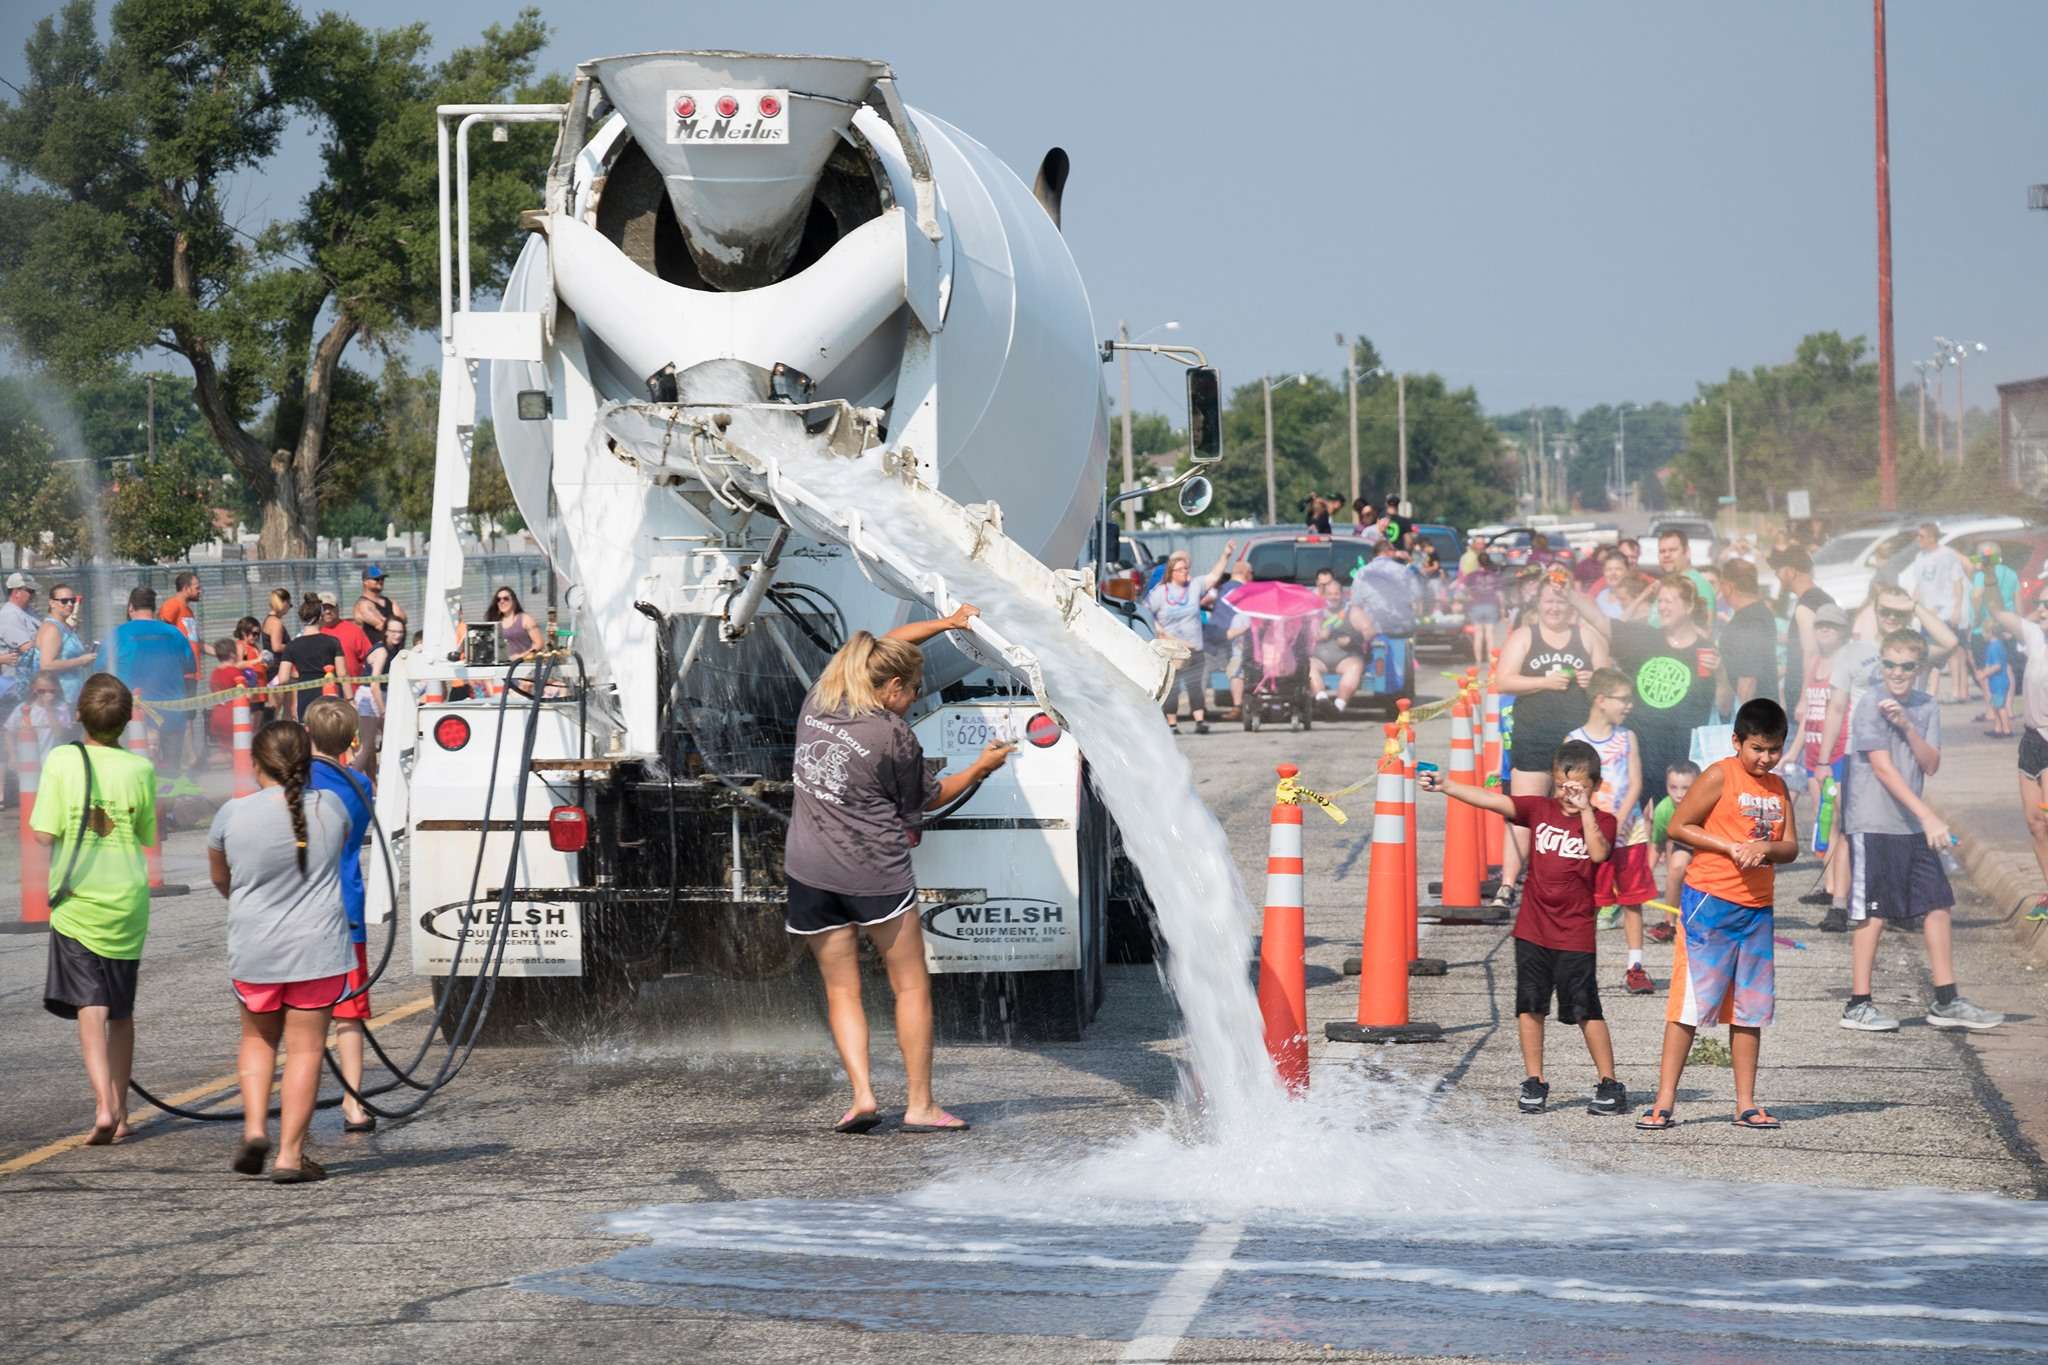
1898 842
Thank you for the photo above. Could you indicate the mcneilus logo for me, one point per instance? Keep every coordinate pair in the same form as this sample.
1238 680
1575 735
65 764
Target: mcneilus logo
725 130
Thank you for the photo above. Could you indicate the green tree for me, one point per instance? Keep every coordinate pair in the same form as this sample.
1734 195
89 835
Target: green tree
1151 434
116 235
491 508
160 509
1305 411
1809 423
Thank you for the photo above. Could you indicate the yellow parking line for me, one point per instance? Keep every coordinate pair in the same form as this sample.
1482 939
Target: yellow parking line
184 1097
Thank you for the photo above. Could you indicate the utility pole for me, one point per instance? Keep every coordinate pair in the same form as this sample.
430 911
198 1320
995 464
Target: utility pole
1921 366
1887 439
1123 403
1621 455
1351 390
1542 468
1728 413
1401 426
1272 498
1959 405
151 419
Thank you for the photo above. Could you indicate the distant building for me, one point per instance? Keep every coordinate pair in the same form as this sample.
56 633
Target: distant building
2023 435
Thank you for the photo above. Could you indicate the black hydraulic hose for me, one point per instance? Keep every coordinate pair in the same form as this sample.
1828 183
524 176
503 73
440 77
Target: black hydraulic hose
466 1033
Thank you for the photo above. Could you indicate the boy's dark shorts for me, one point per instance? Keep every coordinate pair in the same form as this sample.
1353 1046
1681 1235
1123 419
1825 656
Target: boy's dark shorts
1540 971
78 977
1896 877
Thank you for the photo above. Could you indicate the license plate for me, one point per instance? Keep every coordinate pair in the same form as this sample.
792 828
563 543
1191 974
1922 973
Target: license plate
971 732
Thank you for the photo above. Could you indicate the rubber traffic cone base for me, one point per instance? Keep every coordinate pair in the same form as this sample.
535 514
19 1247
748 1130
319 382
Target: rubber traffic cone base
1464 914
169 889
1344 1031
34 926
1488 888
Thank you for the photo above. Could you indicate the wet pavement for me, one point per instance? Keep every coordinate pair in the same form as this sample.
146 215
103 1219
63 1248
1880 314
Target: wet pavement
462 1230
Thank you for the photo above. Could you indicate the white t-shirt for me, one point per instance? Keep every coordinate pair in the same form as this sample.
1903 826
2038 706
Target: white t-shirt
2035 694
1935 578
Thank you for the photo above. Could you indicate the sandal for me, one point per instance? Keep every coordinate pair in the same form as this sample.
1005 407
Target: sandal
1655 1120
307 1171
857 1121
1756 1119
249 1157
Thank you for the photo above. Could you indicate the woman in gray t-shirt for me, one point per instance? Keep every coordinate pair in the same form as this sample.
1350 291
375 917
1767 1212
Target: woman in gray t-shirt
276 855
861 786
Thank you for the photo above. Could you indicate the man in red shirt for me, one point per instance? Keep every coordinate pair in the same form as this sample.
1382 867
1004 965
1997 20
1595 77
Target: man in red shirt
1568 839
177 610
355 645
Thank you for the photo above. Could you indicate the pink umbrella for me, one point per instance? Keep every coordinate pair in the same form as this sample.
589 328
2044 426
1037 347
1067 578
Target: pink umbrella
1275 601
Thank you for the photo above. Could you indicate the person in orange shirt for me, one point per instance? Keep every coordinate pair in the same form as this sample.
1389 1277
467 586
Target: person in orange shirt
1738 821
177 611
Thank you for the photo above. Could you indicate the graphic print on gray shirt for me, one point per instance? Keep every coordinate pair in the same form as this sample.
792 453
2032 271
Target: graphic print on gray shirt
283 924
1872 809
861 785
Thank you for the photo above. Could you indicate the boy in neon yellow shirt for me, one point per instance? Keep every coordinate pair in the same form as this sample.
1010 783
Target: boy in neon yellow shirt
99 891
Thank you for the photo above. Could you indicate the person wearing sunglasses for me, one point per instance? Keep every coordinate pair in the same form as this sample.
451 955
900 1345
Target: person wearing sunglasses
61 653
2031 630
522 632
1856 672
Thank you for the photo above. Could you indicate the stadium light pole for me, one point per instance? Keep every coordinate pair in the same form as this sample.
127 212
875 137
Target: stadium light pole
1957 351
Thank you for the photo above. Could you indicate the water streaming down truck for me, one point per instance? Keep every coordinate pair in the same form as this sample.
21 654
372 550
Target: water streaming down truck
746 263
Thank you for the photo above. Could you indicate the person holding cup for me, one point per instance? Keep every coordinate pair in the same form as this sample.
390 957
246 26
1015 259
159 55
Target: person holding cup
1674 666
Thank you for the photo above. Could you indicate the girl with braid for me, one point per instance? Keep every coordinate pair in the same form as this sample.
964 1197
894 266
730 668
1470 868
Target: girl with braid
276 855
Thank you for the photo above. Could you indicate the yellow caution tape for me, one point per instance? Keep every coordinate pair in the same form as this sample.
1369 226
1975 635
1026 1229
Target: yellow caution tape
205 699
1291 793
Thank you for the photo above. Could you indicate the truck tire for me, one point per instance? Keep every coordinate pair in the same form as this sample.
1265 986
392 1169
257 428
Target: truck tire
1131 931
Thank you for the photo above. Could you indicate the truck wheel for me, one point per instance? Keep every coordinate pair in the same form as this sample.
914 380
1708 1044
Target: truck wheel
1053 1007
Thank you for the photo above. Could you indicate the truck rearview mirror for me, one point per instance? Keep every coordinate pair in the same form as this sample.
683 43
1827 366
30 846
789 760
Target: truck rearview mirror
1195 495
1205 415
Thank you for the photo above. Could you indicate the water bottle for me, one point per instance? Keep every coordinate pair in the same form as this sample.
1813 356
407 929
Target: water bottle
1949 862
1824 821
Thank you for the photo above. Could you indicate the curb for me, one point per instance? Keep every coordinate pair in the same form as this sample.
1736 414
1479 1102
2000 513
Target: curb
2009 893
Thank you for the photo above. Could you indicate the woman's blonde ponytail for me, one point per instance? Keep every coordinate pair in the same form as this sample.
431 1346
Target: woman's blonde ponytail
852 681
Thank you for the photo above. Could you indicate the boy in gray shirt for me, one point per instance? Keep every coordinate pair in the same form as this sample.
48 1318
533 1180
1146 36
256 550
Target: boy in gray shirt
1897 839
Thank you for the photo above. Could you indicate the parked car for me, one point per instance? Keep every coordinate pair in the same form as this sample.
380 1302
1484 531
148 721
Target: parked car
1700 538
1444 626
1846 566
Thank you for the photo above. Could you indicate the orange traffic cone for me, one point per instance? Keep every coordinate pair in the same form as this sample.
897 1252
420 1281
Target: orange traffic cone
1459 900
1283 990
244 735
136 740
1495 827
1383 982
1417 964
35 859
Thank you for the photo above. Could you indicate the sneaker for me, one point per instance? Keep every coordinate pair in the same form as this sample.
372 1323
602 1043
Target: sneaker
1201 727
1660 933
1535 1096
1836 920
1609 1097
1504 899
1869 1018
1638 981
1608 916
1960 1013
2040 910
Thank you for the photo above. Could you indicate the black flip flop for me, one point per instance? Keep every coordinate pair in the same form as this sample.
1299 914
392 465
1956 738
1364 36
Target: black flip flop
857 1122
1756 1120
249 1157
368 1125
1656 1120
308 1171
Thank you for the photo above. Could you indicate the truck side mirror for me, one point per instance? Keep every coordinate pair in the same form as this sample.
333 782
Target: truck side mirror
1205 415
1112 545
1195 495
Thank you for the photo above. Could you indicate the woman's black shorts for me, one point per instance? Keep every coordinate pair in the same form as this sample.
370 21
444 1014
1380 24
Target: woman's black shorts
812 911
78 978
1539 971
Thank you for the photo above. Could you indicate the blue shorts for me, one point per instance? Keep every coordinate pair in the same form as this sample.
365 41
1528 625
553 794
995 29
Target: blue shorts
1721 964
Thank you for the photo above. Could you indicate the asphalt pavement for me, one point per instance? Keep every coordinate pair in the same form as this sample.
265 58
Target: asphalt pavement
421 1244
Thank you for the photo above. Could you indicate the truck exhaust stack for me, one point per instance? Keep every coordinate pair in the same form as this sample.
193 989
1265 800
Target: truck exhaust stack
741 183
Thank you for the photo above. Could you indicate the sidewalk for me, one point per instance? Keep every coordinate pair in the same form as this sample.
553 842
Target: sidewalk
1977 792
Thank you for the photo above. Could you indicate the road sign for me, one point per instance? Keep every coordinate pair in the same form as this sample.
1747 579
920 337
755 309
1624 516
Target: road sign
1797 505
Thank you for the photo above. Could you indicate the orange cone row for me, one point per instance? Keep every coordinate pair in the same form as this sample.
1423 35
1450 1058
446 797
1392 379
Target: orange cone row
1495 826
1383 1015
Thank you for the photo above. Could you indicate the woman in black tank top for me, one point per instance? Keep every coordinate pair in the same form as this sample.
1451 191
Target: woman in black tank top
1544 666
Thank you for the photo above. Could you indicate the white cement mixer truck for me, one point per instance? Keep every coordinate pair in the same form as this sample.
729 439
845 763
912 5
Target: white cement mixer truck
751 274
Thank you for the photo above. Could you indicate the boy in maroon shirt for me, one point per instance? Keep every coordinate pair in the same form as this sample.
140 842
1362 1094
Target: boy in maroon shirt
1568 840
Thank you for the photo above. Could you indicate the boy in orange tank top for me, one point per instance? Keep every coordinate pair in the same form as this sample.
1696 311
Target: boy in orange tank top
1737 819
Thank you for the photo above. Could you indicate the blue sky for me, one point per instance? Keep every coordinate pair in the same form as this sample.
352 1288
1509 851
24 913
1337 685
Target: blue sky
1558 202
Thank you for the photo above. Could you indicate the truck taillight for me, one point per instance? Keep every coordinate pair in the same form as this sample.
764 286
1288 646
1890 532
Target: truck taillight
568 829
1042 730
770 106
451 732
685 106
727 106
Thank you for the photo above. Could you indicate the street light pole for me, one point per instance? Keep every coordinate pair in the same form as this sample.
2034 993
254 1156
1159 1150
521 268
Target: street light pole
1621 455
1728 414
1887 439
1123 402
1921 366
1401 426
1272 497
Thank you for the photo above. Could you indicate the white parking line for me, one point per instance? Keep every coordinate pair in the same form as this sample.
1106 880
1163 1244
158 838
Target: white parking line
1185 1293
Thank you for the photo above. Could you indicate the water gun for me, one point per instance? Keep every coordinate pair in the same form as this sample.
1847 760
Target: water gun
1668 908
1830 793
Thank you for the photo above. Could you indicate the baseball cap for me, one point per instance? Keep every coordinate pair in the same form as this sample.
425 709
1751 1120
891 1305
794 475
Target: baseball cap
375 571
1831 615
22 580
327 599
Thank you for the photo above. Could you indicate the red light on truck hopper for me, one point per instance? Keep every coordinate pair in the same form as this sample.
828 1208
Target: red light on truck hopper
1042 730
451 732
685 106
568 829
727 106
770 106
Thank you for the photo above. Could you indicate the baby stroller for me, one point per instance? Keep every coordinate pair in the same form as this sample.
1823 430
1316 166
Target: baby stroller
1280 627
